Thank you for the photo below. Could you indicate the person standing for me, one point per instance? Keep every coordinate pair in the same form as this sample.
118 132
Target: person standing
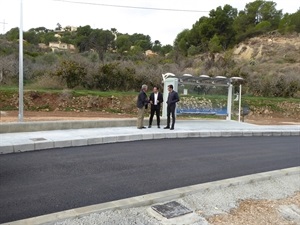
156 98
173 98
142 104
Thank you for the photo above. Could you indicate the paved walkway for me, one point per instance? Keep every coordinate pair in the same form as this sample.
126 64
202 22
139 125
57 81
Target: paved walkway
28 141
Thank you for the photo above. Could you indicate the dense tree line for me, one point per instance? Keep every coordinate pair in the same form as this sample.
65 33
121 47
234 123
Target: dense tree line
86 39
221 30
225 27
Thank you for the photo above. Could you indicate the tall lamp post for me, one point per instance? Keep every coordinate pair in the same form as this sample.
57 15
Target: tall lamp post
21 103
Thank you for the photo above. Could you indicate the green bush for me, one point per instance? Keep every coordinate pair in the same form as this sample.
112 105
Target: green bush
113 76
71 72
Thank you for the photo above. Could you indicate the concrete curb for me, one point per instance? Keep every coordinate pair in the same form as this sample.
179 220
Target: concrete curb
63 125
154 198
48 144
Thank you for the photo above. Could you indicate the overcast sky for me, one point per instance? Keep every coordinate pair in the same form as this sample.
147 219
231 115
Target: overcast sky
159 24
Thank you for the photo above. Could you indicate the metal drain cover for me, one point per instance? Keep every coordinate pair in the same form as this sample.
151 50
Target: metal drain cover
171 209
38 139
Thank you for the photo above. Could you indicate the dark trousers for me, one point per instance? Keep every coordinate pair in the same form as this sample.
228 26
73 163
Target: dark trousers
155 109
171 110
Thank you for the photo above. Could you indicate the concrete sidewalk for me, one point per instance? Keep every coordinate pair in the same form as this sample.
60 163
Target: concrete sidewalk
38 140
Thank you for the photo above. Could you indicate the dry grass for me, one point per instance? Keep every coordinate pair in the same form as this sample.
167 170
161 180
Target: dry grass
257 212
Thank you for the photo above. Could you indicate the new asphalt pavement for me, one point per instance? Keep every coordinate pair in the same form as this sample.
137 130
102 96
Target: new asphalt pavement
40 182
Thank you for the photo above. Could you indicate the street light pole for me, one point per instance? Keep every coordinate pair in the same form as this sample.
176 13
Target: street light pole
21 103
4 23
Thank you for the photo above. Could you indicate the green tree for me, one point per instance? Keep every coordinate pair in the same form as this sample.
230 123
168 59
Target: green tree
48 37
82 38
268 12
263 26
114 30
123 43
295 21
220 23
84 31
290 23
69 38
200 34
13 34
58 26
144 44
253 14
99 40
136 51
31 37
215 44
166 49
141 40
181 43
157 46
194 50
222 20
41 30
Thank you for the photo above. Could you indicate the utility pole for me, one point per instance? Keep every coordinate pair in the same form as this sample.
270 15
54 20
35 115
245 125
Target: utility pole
21 103
3 25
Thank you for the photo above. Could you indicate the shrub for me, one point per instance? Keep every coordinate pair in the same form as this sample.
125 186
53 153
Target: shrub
48 81
112 76
71 72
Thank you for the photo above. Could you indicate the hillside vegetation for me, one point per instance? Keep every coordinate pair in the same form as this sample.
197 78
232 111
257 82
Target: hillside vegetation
89 102
258 43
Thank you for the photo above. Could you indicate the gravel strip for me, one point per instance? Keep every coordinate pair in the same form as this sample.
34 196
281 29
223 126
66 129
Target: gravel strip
204 204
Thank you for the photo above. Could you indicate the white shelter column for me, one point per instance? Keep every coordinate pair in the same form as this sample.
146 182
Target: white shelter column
240 102
229 102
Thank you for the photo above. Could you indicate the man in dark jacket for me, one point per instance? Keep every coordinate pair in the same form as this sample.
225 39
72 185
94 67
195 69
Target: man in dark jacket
173 98
156 98
142 103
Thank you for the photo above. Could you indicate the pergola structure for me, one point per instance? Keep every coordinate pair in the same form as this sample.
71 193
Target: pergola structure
204 80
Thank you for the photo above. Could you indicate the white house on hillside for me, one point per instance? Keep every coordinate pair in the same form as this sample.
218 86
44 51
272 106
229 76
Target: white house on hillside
58 46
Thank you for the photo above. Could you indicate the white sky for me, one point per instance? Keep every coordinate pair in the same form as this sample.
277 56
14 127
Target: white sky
160 25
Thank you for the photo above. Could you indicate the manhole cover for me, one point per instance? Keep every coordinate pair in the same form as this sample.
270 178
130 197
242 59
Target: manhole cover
38 139
171 209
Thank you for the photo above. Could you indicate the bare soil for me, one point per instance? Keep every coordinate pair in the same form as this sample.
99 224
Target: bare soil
41 106
12 116
257 212
272 121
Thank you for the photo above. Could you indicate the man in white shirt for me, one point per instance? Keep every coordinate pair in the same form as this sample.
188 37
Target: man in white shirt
156 98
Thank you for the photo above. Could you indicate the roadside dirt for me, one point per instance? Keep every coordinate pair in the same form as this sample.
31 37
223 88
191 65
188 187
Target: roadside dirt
12 116
272 121
258 212
65 105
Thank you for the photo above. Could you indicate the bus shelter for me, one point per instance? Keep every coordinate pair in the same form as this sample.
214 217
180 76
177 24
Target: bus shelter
204 81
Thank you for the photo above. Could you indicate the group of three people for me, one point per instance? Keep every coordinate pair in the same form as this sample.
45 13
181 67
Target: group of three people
155 100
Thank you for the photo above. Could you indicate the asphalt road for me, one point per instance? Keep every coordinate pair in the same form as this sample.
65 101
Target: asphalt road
42 182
